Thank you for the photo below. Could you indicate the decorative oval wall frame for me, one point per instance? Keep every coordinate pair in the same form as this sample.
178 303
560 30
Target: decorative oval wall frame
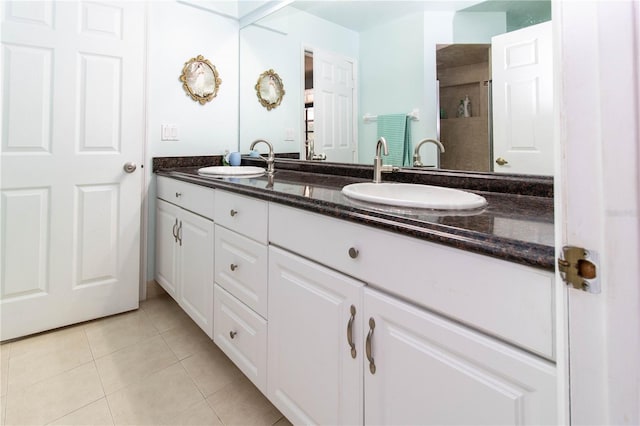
200 79
269 89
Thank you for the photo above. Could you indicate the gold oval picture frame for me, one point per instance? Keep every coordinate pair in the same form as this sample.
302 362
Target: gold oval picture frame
269 89
200 79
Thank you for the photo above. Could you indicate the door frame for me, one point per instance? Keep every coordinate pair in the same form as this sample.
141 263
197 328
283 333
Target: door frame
597 47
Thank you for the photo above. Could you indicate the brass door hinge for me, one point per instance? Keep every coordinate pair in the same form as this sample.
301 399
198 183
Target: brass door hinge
578 268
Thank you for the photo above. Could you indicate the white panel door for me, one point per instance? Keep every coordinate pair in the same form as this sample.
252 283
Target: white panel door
72 116
522 71
430 371
314 377
333 87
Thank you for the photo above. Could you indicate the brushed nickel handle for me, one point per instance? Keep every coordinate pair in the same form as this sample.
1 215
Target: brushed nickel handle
233 267
233 212
232 334
129 167
175 230
350 331
180 233
178 194
372 364
501 161
353 252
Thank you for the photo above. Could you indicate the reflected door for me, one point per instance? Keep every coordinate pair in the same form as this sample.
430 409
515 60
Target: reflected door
333 85
72 117
522 70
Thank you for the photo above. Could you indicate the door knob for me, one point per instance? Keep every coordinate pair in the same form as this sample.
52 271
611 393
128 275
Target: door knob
129 167
501 161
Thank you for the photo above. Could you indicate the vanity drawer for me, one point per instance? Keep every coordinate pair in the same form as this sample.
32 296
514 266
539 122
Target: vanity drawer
242 335
511 301
241 268
244 215
198 199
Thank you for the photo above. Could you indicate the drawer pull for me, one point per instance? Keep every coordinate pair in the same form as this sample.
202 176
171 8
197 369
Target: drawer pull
233 267
178 194
232 334
233 212
353 252
350 331
372 364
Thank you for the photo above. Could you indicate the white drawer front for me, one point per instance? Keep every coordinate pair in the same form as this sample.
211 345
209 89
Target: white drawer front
244 215
198 199
241 268
511 301
248 346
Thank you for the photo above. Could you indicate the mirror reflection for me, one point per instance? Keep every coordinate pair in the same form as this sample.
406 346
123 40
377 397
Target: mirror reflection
353 67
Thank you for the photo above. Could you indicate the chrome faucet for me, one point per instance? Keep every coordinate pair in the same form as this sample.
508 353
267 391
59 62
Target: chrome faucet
417 161
270 158
378 168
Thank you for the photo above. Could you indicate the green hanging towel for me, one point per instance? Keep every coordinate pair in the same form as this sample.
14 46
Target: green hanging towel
395 128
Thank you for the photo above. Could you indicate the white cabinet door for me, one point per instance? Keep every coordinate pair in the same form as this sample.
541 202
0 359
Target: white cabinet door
166 246
195 269
432 371
184 261
312 376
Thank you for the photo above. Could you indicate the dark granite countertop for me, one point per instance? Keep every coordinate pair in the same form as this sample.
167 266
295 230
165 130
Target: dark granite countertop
516 225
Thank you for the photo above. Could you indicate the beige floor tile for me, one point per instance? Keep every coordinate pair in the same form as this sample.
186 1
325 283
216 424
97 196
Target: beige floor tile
155 399
283 422
154 290
55 397
211 370
3 409
187 339
241 403
95 414
164 313
199 414
5 350
43 356
110 334
133 363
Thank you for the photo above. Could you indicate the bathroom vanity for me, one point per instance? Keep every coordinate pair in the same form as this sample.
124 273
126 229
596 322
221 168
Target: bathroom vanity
343 313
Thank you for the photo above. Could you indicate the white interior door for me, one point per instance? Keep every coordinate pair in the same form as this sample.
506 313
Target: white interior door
599 190
522 72
333 87
72 116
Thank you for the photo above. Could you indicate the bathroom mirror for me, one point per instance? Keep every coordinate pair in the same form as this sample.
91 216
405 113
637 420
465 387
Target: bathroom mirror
200 79
386 48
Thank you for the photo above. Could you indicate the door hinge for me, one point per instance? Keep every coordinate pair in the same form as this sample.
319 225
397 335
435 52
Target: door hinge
578 268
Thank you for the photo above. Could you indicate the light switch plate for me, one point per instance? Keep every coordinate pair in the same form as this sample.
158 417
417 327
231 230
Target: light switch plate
169 132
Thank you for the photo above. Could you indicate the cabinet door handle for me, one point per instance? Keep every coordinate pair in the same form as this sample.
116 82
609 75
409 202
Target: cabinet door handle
233 212
350 331
180 233
372 364
232 334
233 267
175 230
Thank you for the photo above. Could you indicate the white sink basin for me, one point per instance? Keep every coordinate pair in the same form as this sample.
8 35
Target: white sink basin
414 196
237 171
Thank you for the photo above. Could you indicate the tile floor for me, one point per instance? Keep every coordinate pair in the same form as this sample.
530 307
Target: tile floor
152 366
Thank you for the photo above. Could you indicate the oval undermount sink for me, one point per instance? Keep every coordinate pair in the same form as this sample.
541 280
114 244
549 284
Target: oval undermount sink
237 171
414 196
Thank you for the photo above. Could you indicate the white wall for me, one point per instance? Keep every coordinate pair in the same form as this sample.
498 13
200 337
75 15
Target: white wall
176 33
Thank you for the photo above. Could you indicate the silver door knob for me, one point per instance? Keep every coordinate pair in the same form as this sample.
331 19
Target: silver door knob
129 167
